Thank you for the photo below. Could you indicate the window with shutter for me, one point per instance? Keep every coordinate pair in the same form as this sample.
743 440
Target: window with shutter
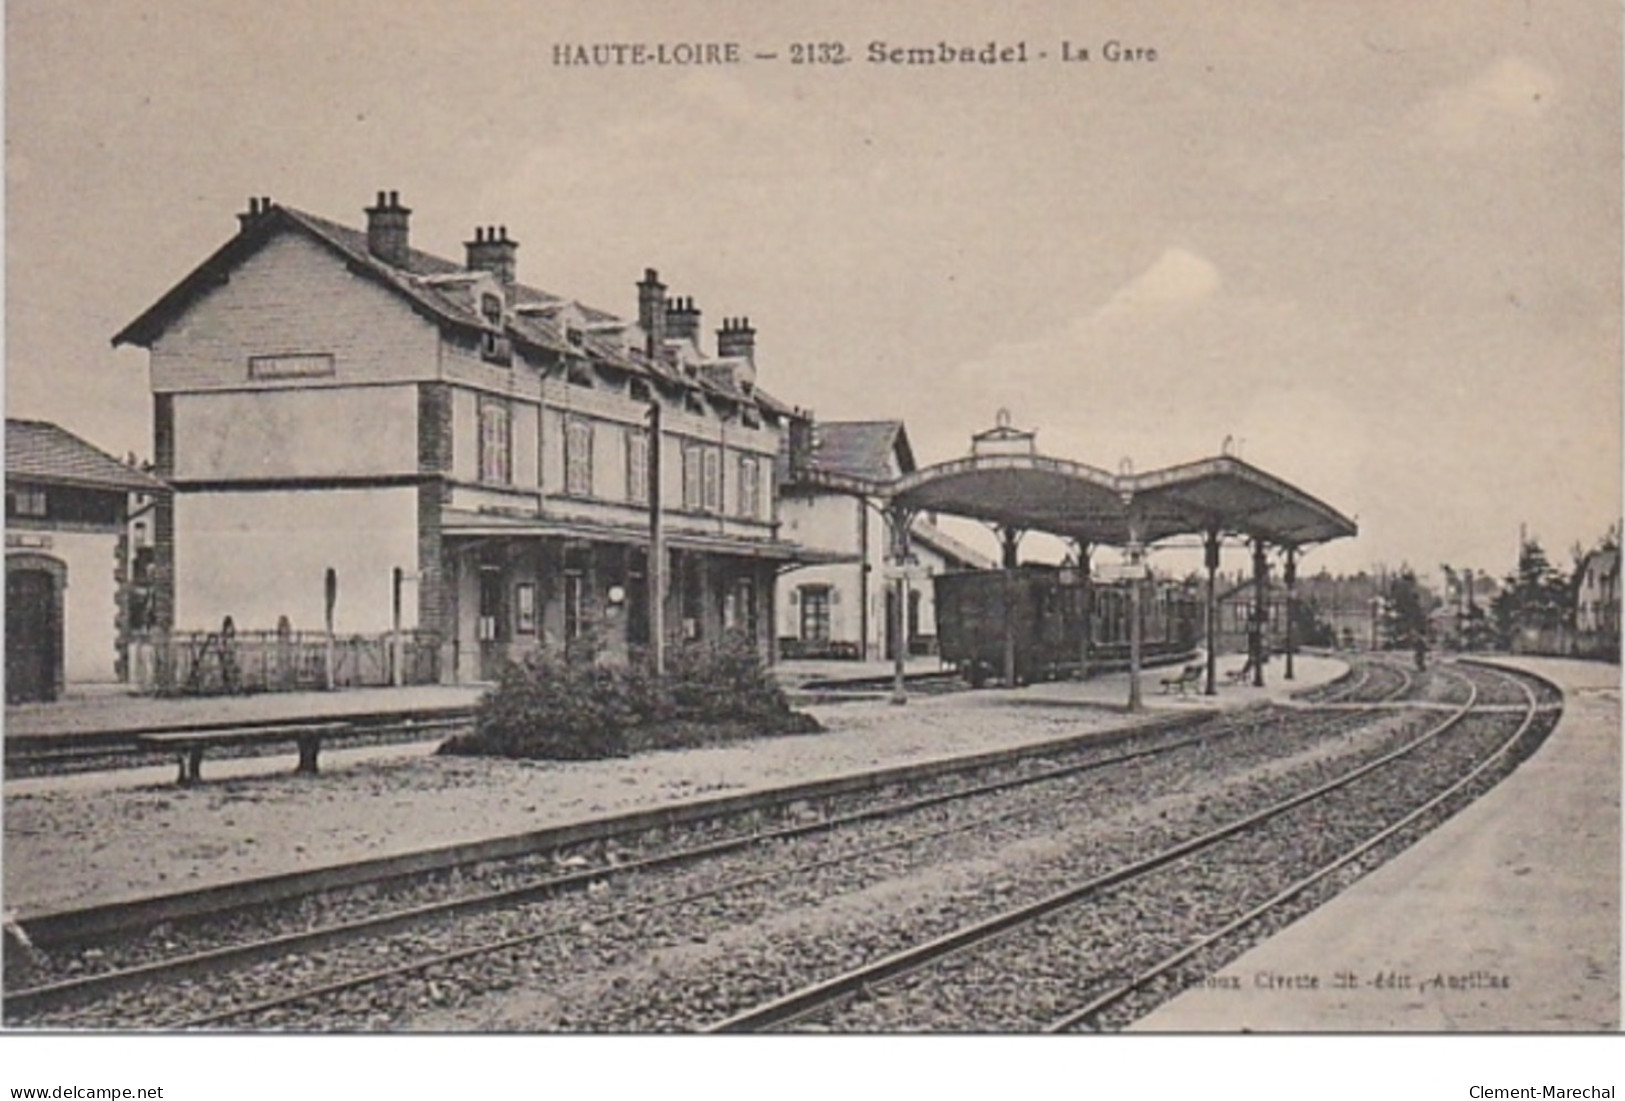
713 479
578 458
496 444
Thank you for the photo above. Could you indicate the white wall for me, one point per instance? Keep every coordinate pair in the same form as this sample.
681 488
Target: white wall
257 556
90 606
296 433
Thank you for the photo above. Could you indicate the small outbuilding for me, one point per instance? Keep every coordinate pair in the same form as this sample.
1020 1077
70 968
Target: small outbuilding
71 560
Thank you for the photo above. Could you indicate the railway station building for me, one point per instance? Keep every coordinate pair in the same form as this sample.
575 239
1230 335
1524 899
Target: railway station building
834 475
75 556
444 464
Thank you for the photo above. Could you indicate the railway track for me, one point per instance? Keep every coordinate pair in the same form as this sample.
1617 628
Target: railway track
572 868
594 907
31 1003
1060 963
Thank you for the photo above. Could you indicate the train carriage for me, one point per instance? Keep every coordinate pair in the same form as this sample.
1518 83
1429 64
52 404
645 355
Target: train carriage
1039 614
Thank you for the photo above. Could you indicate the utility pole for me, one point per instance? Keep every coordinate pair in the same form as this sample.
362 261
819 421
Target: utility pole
657 548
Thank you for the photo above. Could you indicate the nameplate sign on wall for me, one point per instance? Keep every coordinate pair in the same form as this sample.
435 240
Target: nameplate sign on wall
306 365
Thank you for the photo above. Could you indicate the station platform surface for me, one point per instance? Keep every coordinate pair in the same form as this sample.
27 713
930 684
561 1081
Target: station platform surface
96 837
110 709
1505 918
102 708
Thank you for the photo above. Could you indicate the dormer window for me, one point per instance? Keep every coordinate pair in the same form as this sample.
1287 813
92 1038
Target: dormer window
491 309
578 374
575 336
496 349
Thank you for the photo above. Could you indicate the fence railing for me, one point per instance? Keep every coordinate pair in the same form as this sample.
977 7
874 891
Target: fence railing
216 663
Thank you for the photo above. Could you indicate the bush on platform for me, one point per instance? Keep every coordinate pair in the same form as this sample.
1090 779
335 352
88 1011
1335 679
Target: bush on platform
558 708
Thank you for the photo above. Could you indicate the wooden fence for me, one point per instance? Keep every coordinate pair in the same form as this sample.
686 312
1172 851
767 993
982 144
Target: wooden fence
226 662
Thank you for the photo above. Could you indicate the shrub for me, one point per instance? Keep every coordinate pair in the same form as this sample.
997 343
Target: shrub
723 682
545 706
577 709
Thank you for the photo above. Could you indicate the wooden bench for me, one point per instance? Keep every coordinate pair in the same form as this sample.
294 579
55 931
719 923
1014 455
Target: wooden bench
189 745
1186 680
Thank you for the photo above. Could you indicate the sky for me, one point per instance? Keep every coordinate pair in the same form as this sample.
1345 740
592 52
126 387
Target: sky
1376 245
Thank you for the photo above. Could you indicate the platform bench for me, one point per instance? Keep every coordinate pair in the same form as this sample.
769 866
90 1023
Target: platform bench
1184 682
189 745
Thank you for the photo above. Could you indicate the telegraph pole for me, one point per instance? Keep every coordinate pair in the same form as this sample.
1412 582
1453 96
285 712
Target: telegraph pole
657 548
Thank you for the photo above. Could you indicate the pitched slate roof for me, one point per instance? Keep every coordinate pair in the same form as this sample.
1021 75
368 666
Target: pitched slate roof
39 451
861 449
428 283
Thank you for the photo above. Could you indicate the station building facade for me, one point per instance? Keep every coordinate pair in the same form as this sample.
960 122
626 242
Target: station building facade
73 560
360 430
832 474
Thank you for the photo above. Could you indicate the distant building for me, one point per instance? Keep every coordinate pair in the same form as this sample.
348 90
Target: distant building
469 456
1596 604
73 572
1348 607
830 499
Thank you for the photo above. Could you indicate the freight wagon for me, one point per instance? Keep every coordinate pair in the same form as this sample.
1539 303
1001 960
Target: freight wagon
1036 615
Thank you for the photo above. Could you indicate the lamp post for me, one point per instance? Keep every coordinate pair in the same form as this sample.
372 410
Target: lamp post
900 519
1135 549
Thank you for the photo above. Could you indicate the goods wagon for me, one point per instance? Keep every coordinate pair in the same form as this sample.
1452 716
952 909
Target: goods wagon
1039 613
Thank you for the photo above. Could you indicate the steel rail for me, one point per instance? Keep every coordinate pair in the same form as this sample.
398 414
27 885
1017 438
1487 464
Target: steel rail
34 1000
756 879
810 999
111 919
1110 998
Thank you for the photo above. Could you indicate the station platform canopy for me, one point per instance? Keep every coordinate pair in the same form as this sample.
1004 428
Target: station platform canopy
1006 482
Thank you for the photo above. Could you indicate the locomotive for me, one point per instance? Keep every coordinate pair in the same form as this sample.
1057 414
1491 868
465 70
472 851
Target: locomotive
1039 612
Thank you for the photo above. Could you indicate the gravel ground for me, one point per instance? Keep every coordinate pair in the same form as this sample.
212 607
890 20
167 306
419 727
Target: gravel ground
69 845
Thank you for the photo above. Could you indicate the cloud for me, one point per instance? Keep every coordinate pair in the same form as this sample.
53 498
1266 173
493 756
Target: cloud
1177 277
1510 94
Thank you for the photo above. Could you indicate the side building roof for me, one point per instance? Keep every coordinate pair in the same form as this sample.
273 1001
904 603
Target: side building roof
39 451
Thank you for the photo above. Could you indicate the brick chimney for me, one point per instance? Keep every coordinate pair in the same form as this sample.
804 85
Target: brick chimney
682 320
387 230
736 339
257 209
652 312
491 251
800 443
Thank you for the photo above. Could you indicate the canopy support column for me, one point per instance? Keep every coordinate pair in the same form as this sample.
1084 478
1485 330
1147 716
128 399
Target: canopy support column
1257 643
1289 574
1136 567
1210 551
1009 539
900 519
1086 596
